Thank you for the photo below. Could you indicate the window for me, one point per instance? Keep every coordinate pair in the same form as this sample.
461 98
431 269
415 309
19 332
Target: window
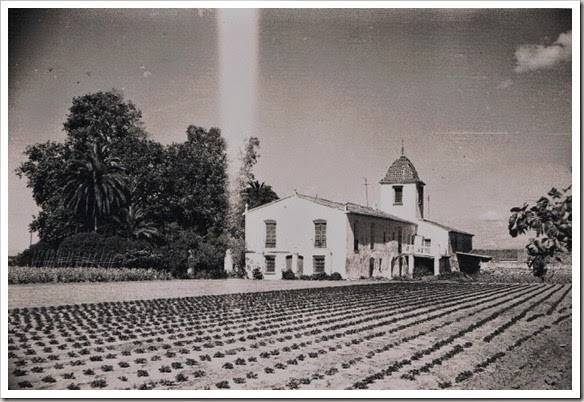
300 265
270 264
427 242
398 195
318 263
380 260
372 237
356 237
270 234
320 234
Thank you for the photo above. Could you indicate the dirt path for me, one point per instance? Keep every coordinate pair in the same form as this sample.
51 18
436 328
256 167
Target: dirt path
53 294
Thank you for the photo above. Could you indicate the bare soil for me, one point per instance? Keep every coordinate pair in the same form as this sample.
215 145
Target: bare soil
54 294
367 336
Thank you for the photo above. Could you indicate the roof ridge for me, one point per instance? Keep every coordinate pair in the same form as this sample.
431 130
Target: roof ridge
347 205
449 228
269 203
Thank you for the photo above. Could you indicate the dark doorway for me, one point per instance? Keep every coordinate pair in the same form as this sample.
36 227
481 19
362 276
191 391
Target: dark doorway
399 249
371 266
300 266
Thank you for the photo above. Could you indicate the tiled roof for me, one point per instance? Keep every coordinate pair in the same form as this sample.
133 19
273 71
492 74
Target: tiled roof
267 204
353 208
501 254
401 171
322 201
449 228
473 255
368 211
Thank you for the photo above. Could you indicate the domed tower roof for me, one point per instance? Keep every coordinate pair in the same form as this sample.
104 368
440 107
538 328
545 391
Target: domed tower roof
401 171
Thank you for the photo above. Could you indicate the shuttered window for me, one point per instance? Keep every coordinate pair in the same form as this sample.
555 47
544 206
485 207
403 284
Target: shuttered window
270 264
270 234
320 234
399 194
318 263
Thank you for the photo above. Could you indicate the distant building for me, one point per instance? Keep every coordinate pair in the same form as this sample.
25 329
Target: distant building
309 235
504 255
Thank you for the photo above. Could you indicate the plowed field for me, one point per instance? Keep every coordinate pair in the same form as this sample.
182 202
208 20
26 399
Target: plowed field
372 336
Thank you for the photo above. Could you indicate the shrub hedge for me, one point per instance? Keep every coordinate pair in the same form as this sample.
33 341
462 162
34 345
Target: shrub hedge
47 275
288 275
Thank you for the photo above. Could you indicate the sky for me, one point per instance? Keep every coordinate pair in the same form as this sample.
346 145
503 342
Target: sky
480 97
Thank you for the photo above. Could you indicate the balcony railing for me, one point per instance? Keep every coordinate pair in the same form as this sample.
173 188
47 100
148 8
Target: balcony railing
420 250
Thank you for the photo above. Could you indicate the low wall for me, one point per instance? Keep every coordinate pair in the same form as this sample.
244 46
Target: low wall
515 267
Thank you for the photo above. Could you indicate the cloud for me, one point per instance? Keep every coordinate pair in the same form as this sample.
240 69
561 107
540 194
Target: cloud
505 84
538 57
147 74
491 216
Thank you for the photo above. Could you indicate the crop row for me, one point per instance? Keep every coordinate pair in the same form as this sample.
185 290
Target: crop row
425 318
203 348
441 343
480 367
151 348
189 332
516 318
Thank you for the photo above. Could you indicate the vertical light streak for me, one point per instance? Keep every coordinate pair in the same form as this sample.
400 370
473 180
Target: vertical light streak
238 61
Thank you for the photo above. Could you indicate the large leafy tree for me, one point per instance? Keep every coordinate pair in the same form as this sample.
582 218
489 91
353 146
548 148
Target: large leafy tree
44 169
197 201
150 185
551 220
96 118
197 174
179 190
104 117
96 183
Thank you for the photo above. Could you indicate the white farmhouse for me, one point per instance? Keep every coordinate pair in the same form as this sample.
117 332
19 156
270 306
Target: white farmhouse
309 235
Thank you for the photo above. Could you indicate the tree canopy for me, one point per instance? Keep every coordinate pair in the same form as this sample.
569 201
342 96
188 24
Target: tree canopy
551 219
257 194
108 176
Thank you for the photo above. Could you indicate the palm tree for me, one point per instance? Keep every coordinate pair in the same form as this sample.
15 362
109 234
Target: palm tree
96 183
256 194
134 225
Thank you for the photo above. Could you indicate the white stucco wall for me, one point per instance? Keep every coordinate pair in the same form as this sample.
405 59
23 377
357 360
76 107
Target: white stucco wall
409 207
294 218
438 236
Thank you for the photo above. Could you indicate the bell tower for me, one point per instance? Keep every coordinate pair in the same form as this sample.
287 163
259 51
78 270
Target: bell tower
402 191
